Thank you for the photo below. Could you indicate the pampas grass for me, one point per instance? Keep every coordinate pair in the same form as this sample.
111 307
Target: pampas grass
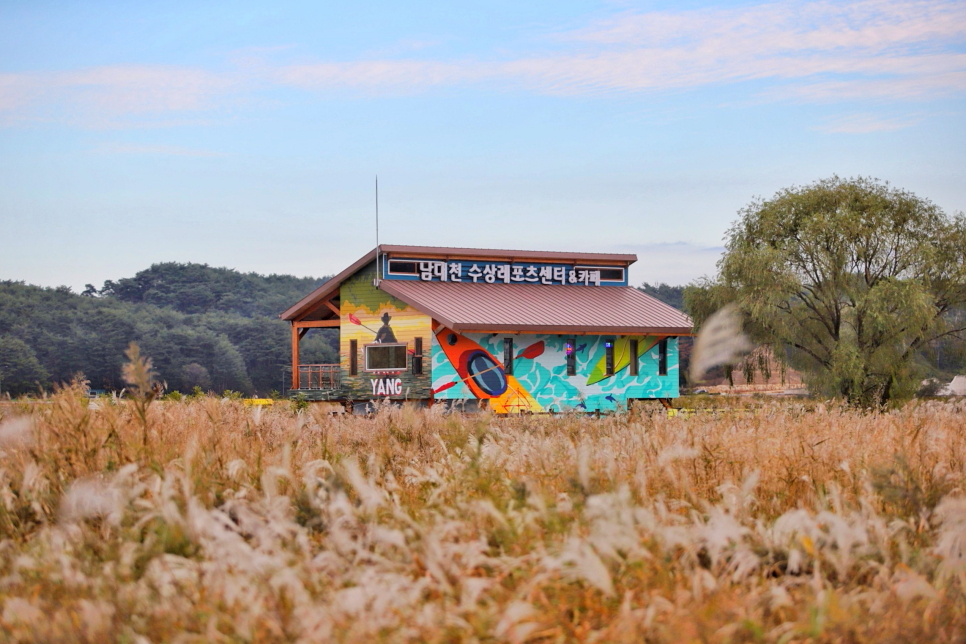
206 520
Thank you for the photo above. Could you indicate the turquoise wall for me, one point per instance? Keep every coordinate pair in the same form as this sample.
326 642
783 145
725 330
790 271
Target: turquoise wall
545 376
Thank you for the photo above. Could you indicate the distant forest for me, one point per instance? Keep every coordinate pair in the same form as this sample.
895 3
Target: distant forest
213 328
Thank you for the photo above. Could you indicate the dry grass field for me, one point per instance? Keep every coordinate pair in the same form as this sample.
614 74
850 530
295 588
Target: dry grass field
209 521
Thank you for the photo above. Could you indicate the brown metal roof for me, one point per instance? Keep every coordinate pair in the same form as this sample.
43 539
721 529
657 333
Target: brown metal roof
313 300
443 252
620 310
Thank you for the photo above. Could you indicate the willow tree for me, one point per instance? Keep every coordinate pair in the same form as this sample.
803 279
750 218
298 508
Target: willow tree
846 279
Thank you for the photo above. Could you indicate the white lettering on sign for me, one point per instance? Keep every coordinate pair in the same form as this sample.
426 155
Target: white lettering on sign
386 387
430 271
455 271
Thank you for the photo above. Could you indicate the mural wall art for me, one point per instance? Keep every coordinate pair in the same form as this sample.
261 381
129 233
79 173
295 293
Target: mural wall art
386 333
473 366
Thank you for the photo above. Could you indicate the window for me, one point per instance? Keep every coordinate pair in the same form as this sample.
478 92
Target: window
385 357
399 267
662 357
609 357
417 356
635 362
607 273
508 356
353 357
570 350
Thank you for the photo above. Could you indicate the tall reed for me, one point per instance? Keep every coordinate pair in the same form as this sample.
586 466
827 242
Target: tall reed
206 520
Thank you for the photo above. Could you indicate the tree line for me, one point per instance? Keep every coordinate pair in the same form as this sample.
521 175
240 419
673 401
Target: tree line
859 286
213 328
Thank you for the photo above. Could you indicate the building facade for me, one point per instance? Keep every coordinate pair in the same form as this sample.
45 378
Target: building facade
515 331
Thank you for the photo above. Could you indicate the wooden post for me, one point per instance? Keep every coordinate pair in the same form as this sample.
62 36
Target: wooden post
295 356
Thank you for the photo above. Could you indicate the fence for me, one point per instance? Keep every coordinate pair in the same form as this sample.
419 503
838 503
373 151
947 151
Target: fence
319 376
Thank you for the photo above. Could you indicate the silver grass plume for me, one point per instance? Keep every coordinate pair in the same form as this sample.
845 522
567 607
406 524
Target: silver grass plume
720 341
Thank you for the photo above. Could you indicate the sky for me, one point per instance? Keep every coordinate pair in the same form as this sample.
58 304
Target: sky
249 135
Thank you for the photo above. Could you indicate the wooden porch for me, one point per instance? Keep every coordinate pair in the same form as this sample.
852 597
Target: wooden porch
325 377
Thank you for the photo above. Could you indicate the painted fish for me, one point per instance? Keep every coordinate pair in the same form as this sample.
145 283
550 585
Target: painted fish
581 347
622 357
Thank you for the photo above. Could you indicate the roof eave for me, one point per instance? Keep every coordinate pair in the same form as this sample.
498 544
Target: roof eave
569 330
307 303
503 254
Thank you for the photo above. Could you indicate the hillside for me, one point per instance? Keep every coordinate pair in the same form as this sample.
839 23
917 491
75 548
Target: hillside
214 328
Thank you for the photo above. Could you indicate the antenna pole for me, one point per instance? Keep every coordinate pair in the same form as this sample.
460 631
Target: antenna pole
378 259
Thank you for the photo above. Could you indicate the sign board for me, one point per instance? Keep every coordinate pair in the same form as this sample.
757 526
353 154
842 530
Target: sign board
504 273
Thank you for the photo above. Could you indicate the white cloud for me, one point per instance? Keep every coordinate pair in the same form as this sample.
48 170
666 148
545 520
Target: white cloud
162 150
808 51
101 96
866 123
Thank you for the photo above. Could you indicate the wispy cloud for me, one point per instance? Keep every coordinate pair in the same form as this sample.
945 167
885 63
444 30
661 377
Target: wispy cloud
159 150
103 95
866 123
880 48
890 50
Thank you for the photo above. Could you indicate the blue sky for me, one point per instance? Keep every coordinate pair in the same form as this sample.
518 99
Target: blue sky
248 135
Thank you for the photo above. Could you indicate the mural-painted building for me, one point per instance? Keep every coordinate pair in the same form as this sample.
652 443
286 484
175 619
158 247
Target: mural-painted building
517 331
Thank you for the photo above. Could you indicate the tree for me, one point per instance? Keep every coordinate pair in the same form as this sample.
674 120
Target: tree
20 371
671 295
846 278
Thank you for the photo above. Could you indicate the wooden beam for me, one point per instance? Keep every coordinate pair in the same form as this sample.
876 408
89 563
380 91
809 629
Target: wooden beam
316 324
333 308
302 333
322 302
295 356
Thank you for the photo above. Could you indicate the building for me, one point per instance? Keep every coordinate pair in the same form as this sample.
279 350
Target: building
518 331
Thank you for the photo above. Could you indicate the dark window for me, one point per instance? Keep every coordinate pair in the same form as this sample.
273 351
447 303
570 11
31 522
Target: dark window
353 357
397 267
635 364
662 357
508 356
385 357
570 350
607 274
609 357
418 357
612 274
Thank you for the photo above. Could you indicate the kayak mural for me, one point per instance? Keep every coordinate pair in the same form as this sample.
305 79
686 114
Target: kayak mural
470 366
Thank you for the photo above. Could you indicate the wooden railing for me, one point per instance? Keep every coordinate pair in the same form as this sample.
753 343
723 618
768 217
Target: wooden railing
319 376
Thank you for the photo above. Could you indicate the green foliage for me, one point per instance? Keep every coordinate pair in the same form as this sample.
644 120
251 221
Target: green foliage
20 371
299 402
199 288
849 279
224 340
671 295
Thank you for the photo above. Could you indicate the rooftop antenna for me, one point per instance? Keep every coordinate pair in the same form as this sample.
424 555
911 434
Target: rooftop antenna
378 259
